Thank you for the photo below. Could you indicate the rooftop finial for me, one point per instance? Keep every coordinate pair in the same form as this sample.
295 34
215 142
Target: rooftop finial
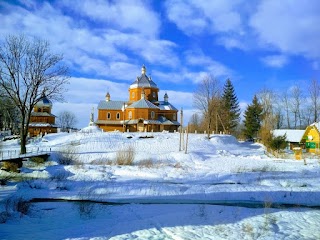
108 97
165 97
143 69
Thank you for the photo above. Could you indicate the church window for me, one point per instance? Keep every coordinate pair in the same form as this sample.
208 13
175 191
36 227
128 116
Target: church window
174 117
154 94
118 116
108 115
152 115
130 115
132 95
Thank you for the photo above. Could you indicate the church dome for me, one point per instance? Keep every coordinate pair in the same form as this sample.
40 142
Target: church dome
143 81
44 102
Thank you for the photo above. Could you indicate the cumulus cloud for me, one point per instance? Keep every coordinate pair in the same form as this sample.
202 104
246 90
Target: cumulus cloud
276 61
289 26
197 16
101 49
132 15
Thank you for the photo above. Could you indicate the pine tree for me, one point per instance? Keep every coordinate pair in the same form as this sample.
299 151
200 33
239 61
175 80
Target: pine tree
252 119
231 109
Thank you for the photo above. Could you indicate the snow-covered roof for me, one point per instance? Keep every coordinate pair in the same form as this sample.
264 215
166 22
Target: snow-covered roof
42 124
143 103
143 81
316 124
44 102
111 105
166 106
292 135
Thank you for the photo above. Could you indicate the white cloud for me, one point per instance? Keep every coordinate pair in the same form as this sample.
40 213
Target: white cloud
88 48
132 15
197 16
231 43
277 61
208 65
289 26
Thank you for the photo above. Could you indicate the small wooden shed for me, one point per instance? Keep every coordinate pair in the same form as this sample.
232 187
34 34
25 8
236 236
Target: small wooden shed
311 138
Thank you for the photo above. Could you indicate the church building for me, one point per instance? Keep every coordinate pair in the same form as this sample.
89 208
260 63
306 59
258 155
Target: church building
41 120
141 112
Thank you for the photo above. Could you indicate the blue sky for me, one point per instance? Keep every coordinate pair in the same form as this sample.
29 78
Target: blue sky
257 44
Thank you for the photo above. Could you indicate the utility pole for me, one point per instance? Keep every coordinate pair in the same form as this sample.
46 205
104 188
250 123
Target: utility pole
186 151
181 131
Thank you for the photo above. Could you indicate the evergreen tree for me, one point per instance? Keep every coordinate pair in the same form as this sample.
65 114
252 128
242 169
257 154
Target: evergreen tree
252 118
231 109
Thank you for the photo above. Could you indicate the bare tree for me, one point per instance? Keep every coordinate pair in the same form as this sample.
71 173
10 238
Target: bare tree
267 99
207 99
27 70
286 106
66 120
296 103
314 92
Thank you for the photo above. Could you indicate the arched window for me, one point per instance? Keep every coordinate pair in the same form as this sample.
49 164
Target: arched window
174 117
154 94
130 115
108 115
152 115
132 95
118 115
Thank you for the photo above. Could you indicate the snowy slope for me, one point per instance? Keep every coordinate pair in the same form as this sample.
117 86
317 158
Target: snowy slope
188 195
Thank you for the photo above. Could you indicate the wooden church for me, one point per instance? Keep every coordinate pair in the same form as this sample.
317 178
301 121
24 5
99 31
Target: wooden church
141 112
41 120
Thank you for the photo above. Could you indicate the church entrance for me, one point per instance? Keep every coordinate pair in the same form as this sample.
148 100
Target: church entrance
140 125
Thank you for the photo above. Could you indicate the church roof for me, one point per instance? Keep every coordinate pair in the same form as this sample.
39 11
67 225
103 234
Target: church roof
42 124
44 102
111 105
166 106
143 81
143 103
165 121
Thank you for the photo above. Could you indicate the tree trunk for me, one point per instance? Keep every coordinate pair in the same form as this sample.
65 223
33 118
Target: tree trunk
23 142
23 133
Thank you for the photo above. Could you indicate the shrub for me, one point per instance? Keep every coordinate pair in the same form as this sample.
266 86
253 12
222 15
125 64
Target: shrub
147 163
278 143
5 179
38 160
11 166
125 156
67 157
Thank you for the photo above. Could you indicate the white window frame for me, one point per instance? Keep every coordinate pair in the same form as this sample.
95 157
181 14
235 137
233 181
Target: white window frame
118 116
130 114
153 114
108 115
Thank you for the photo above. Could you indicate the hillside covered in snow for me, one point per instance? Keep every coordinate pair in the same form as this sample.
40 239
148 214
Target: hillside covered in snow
115 185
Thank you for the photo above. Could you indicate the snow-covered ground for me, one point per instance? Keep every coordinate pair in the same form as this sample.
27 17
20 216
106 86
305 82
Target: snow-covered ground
219 189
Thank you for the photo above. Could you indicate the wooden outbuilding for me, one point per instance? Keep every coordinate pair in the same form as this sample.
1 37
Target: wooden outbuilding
311 138
293 136
42 121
